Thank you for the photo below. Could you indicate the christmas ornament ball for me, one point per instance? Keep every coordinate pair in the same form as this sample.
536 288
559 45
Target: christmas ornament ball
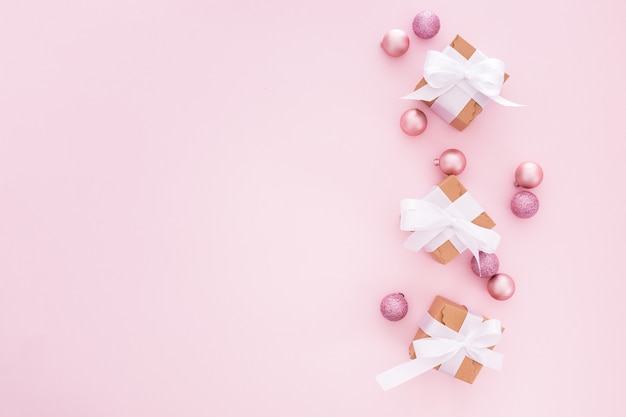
426 24
394 306
528 175
451 162
413 122
489 264
501 287
395 42
524 204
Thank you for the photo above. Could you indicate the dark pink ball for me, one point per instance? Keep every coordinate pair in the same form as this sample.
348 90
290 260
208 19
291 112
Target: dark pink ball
489 264
394 306
524 204
426 24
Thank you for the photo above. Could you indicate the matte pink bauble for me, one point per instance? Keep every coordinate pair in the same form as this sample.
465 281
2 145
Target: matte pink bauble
413 122
394 306
489 264
501 287
395 42
426 24
451 162
524 204
528 175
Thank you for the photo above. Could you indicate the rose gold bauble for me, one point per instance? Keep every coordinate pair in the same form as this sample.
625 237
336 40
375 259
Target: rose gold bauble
395 42
413 122
451 162
501 287
528 175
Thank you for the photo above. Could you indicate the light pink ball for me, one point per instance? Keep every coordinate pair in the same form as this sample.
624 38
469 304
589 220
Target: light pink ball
524 204
394 306
489 264
501 287
528 175
413 122
451 162
395 42
426 24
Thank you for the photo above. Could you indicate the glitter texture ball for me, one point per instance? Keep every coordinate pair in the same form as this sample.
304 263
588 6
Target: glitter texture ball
489 265
395 43
524 204
413 122
394 306
501 287
426 24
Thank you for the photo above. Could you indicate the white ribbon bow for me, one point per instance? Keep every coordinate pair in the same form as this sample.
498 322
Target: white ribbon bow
427 220
442 72
444 346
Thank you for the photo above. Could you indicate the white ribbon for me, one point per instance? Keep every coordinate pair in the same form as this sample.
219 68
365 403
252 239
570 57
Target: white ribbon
431 223
445 346
444 70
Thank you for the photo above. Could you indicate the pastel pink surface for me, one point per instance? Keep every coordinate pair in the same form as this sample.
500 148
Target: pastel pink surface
200 208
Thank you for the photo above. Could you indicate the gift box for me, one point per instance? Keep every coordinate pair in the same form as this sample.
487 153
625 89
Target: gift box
447 221
459 82
452 340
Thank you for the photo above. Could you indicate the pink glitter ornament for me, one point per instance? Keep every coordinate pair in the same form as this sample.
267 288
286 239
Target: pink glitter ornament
451 162
501 287
489 264
524 204
395 42
426 24
394 306
413 122
528 175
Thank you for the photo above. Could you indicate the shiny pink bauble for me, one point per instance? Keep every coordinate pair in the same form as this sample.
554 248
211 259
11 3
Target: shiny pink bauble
395 42
524 204
451 162
426 24
489 264
528 175
394 306
501 287
413 122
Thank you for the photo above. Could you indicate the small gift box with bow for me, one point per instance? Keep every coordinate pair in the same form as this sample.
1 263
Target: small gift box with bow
459 82
452 340
447 221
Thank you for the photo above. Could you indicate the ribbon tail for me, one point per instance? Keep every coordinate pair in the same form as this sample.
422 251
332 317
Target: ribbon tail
477 238
504 102
417 240
426 93
405 371
486 357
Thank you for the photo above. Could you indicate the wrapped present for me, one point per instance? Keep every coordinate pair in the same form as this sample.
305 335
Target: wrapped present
452 340
459 82
447 221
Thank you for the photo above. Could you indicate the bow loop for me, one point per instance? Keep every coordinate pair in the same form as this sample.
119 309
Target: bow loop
442 72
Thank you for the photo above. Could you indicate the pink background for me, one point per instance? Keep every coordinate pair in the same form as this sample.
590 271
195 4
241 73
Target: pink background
199 208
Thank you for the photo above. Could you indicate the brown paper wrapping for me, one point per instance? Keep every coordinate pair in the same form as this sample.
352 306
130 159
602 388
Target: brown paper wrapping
453 189
472 108
451 315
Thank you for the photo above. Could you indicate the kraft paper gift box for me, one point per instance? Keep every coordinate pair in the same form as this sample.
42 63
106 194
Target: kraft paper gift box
459 82
447 221
452 340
